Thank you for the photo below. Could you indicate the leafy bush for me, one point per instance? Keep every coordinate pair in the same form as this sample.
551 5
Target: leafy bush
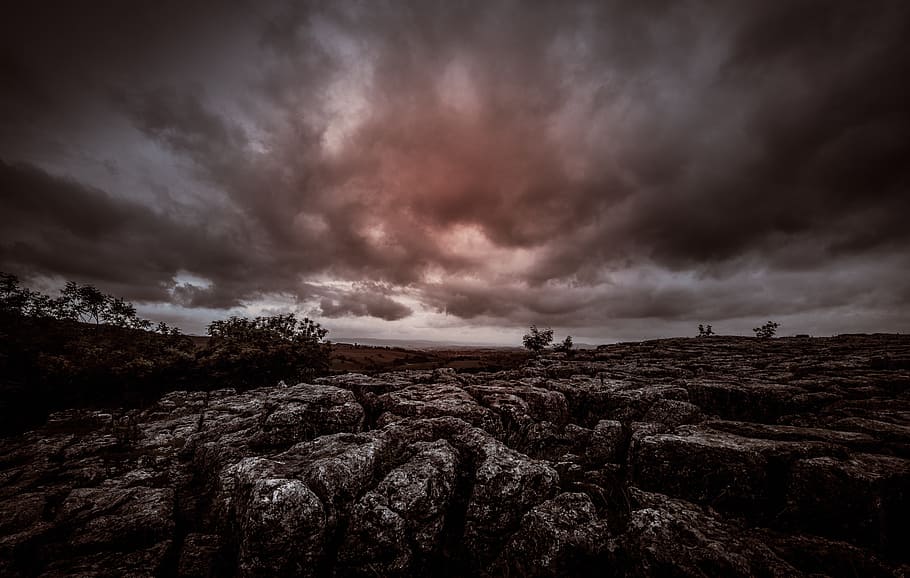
264 350
89 348
48 364
705 330
767 330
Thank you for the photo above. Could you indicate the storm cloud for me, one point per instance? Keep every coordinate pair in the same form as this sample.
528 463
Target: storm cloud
618 171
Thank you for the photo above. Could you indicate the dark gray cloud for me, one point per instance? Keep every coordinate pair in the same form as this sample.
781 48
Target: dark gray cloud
584 164
364 301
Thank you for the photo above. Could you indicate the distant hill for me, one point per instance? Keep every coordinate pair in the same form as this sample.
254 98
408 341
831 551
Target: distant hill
430 344
418 343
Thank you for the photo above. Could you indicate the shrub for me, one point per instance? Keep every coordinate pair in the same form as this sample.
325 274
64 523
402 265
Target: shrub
767 330
265 350
705 330
565 346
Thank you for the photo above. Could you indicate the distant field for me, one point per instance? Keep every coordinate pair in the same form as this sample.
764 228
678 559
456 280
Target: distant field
374 358
362 358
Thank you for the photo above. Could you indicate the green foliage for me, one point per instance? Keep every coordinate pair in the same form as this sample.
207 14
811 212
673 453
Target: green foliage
48 364
536 340
119 312
264 350
705 330
87 347
276 328
13 298
767 330
165 329
81 303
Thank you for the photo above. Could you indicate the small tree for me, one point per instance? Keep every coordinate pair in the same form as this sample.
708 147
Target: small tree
13 297
705 330
165 329
83 303
120 312
39 305
767 330
536 340
565 346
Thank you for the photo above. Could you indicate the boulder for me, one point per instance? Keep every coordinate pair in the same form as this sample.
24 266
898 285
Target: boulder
864 498
670 537
304 412
560 537
672 412
731 473
396 527
506 485
607 442
282 531
427 401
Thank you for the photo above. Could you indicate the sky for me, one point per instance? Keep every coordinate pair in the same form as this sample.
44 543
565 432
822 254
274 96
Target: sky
456 171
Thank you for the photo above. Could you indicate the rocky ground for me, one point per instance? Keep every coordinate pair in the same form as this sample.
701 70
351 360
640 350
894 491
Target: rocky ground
688 457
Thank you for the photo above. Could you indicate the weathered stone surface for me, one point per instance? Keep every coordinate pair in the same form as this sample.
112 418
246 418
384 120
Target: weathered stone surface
506 485
819 556
728 472
687 457
519 400
606 442
864 498
396 527
672 412
748 402
112 517
283 530
199 556
670 537
549 441
425 401
308 411
560 537
591 400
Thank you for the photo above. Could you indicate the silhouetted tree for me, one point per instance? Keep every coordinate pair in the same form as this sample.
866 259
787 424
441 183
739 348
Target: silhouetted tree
767 330
39 305
565 346
120 313
83 303
165 329
705 330
536 340
13 297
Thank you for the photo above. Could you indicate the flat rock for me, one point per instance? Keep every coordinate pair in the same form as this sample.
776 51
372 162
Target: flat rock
679 457
731 473
670 537
864 498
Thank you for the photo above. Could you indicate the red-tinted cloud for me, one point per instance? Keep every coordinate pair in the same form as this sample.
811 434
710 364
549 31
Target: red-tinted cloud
571 163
